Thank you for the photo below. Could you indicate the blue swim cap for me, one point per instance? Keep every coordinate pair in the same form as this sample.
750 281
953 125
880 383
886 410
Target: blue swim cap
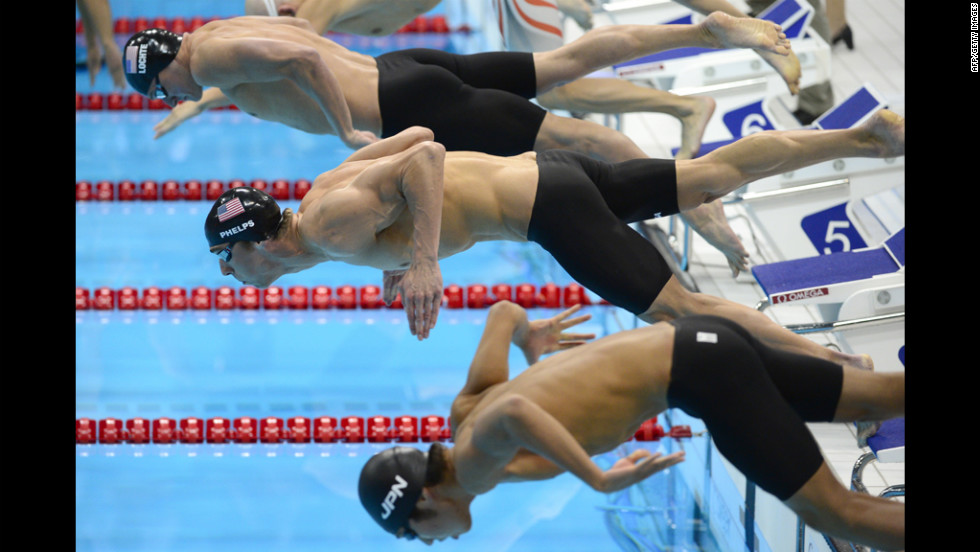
242 214
146 54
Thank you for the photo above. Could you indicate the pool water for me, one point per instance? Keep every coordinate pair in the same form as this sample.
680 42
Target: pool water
177 364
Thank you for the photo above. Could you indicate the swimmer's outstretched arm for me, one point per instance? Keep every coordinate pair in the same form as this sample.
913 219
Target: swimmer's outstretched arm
490 364
508 323
229 62
345 223
211 98
97 23
514 422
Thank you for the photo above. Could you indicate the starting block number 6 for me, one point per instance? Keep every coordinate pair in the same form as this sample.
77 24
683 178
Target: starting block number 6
831 231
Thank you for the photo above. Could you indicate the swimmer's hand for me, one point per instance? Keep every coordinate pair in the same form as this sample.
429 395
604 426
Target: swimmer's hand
93 61
389 284
180 113
113 62
357 139
421 290
540 337
636 467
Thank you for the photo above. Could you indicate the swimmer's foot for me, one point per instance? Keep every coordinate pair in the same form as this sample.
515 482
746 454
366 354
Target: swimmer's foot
858 362
724 31
886 130
788 67
693 123
710 222
865 430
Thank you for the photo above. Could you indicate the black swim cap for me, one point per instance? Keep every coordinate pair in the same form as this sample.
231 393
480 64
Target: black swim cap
146 54
242 214
390 485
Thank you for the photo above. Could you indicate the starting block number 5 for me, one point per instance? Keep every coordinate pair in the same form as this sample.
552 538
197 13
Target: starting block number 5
835 232
831 231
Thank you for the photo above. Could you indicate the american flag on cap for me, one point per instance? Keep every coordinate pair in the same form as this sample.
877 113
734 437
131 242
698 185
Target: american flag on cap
230 209
130 57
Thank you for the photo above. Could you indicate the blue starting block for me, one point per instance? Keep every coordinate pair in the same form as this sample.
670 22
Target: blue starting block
835 277
887 446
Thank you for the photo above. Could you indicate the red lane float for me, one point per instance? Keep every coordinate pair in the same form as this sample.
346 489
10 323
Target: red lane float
344 297
189 190
296 429
180 24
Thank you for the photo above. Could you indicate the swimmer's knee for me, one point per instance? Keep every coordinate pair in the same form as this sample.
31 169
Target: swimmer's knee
554 98
657 312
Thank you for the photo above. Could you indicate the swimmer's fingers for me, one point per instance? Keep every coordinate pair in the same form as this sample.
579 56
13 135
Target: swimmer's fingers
390 280
635 468
424 310
422 292
568 340
169 123
657 463
180 113
575 321
431 313
561 317
93 61
113 62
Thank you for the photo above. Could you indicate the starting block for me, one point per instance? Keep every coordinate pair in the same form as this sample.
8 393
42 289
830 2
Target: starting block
887 446
867 284
836 277
837 205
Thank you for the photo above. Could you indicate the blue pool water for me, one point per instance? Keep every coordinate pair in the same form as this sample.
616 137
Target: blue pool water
208 364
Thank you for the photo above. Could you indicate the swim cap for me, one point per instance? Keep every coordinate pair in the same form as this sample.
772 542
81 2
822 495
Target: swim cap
390 485
242 214
146 54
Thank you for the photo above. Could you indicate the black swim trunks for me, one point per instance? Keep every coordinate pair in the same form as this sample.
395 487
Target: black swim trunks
581 216
476 102
754 400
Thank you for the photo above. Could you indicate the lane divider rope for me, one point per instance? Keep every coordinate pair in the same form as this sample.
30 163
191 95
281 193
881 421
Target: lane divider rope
281 189
127 26
296 429
320 297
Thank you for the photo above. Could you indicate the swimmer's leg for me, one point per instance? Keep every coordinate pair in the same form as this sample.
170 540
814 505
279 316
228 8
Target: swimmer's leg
824 504
775 152
702 181
675 301
611 44
610 95
868 398
585 137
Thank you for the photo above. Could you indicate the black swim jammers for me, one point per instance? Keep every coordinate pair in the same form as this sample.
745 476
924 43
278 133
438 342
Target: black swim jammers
581 216
754 400
478 102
